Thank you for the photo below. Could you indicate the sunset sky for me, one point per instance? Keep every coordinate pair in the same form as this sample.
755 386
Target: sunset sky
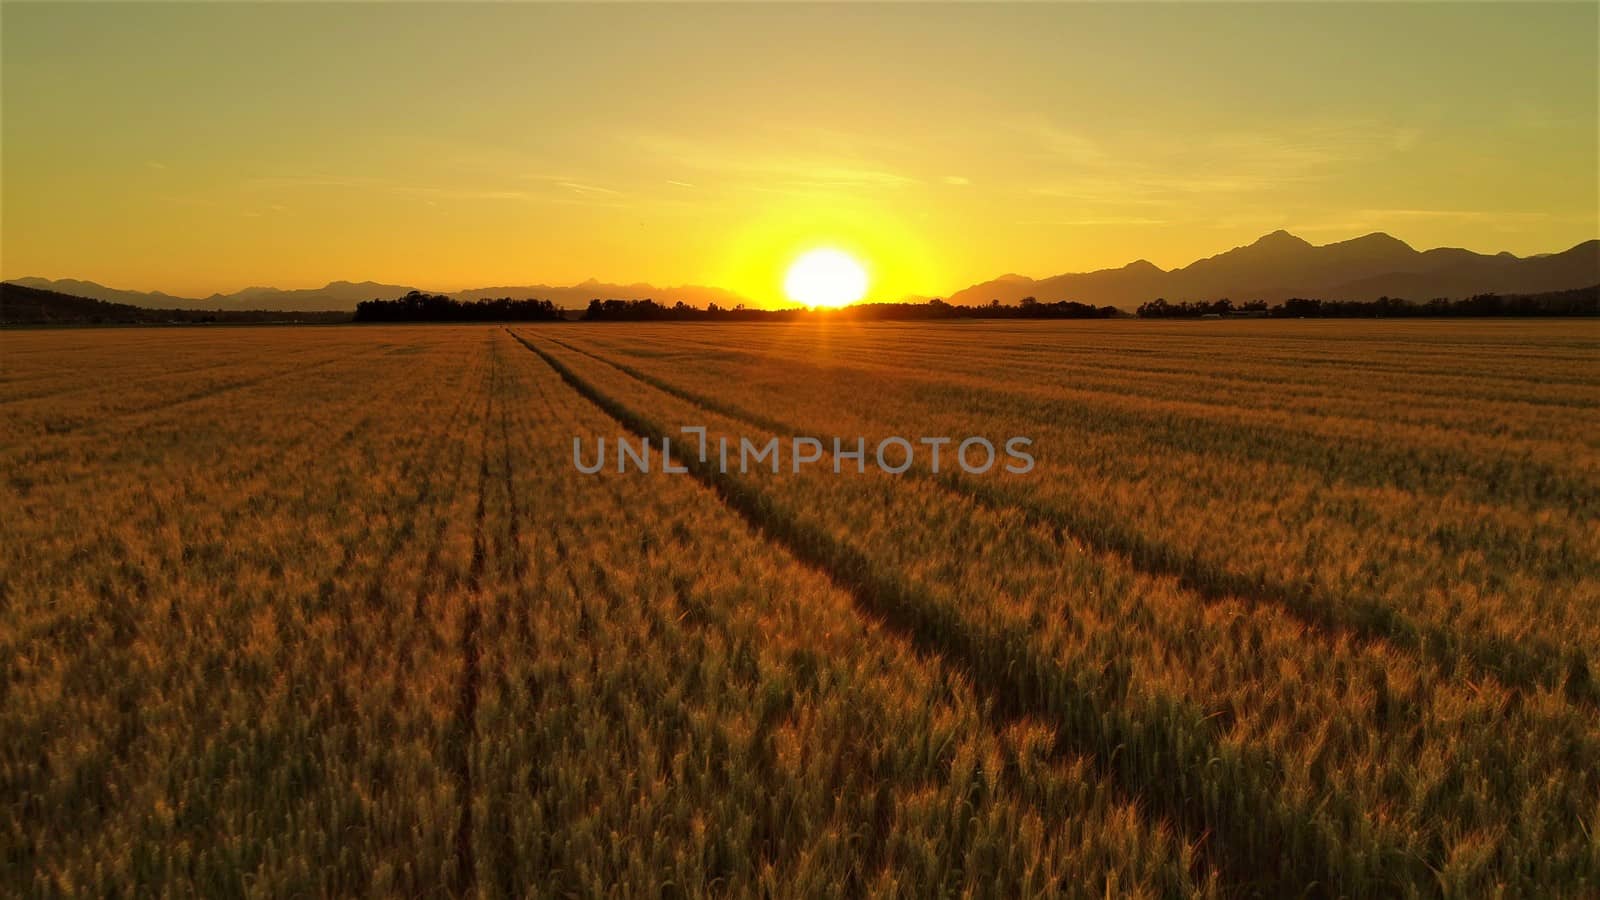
193 149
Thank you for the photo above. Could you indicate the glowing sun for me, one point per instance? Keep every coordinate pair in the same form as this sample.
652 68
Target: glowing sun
826 277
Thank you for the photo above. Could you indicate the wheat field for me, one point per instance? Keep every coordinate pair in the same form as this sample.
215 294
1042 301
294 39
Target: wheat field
1284 608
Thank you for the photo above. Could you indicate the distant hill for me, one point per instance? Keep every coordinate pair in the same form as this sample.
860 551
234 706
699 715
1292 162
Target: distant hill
1279 266
23 305
342 296
75 288
336 296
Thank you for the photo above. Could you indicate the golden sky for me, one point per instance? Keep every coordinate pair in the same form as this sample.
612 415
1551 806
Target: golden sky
199 148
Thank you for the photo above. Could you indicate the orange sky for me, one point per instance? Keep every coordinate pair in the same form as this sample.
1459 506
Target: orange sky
196 148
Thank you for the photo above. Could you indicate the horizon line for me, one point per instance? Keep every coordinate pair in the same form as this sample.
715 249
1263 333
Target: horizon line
708 286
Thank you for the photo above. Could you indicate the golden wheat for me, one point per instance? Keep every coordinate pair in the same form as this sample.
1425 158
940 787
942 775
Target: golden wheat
1285 607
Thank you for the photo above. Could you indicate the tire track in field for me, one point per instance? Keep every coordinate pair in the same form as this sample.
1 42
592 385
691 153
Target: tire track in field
471 677
497 848
1524 664
1251 834
519 563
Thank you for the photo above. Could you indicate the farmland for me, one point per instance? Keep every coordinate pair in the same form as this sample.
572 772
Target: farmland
1284 608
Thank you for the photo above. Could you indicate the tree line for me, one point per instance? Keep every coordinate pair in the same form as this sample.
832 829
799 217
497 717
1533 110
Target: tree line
1029 308
420 307
1576 302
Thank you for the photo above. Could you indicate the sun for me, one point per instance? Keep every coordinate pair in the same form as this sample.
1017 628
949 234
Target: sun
826 277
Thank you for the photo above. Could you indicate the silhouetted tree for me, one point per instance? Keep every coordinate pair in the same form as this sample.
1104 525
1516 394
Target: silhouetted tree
420 307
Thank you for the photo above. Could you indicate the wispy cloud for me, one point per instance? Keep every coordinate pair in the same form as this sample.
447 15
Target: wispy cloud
269 183
581 188
759 167
1042 137
462 193
1092 222
278 182
574 189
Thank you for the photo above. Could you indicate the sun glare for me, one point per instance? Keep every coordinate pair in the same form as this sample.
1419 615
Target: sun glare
826 277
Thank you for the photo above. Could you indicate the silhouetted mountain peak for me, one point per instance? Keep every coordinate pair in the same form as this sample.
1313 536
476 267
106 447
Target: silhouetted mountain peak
1280 238
1276 251
1376 241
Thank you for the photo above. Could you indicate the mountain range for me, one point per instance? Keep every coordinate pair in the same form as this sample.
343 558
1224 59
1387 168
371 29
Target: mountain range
1275 267
1280 266
343 296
